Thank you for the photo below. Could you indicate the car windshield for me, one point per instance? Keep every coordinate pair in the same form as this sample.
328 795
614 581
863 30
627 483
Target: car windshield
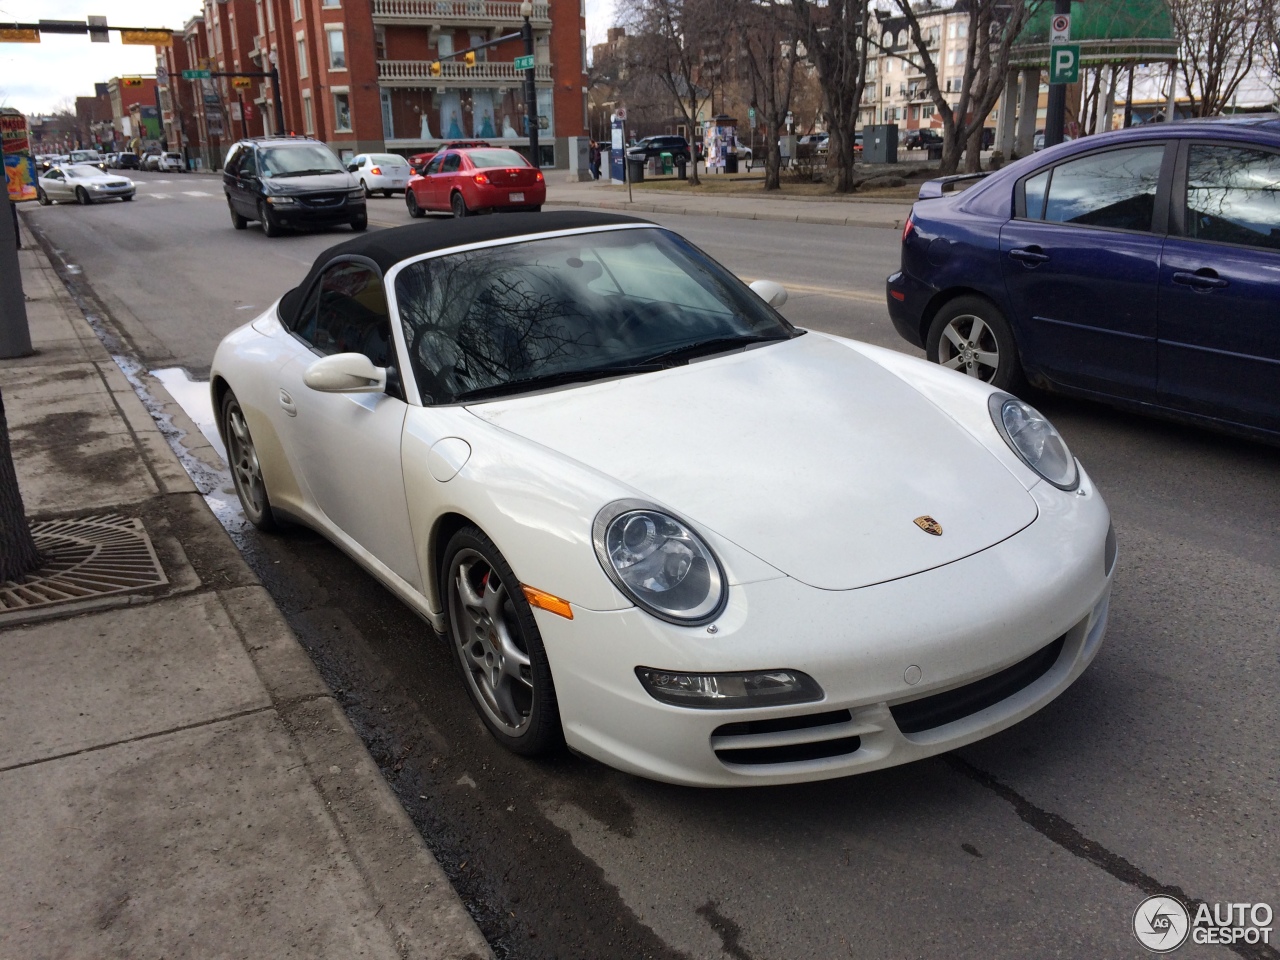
80 171
388 160
508 319
497 158
296 160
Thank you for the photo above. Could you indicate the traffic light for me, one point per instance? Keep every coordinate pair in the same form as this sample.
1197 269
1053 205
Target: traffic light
469 58
435 68
131 81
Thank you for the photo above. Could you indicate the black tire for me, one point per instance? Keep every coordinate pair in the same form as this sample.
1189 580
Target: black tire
82 197
246 472
127 197
270 226
534 727
361 223
367 192
980 344
411 204
237 221
458 204
42 198
386 193
536 208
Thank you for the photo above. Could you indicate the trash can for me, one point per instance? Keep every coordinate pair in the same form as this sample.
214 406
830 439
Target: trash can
635 169
935 151
682 169
665 164
731 163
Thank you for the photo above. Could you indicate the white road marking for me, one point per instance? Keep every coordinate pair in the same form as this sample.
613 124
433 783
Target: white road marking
158 196
161 181
196 193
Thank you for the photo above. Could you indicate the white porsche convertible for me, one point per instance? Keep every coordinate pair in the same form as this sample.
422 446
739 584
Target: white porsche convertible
654 519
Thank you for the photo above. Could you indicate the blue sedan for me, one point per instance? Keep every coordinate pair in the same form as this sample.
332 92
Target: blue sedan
1140 267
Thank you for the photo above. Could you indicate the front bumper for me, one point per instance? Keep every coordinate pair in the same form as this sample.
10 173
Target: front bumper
112 193
1033 607
301 213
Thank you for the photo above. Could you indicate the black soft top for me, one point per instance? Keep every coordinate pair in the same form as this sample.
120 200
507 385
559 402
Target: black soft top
386 248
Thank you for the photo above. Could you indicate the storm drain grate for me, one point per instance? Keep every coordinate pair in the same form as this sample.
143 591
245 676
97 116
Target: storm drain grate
85 557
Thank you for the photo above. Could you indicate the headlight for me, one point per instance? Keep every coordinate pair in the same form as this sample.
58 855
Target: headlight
278 201
1034 440
95 186
356 194
659 562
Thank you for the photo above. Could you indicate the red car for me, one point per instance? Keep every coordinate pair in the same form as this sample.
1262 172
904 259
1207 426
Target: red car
479 179
420 160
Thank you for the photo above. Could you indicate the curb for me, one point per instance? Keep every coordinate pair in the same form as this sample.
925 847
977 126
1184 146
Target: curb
419 906
638 207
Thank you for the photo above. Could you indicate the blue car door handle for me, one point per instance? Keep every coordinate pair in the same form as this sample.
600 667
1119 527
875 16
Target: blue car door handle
1029 255
1203 279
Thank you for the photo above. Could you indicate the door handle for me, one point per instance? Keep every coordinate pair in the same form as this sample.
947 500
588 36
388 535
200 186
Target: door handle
1029 255
1202 280
286 403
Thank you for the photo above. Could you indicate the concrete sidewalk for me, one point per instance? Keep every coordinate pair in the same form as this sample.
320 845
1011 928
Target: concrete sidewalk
848 212
175 778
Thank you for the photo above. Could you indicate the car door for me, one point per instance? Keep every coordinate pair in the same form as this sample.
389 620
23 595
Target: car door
1080 261
442 183
1219 327
346 447
425 191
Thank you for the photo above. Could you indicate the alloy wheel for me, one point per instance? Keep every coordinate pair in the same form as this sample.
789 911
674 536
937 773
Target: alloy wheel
969 345
245 468
490 642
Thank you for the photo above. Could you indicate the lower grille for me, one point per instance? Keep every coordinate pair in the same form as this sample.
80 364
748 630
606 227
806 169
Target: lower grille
814 736
916 716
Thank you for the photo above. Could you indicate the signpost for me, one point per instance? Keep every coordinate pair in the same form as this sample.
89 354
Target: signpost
1064 68
196 74
524 63
1064 63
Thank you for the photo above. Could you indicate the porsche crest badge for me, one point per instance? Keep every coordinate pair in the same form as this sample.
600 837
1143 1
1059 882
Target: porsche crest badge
929 525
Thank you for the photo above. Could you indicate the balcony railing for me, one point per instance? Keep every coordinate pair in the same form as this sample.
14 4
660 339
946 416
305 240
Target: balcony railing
456 73
456 11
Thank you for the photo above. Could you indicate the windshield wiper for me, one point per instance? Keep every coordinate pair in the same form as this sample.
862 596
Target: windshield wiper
690 351
556 379
303 173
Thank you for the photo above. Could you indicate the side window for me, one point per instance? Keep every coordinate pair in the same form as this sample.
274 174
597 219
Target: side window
452 163
1114 189
433 165
346 312
1035 189
248 164
1233 195
232 166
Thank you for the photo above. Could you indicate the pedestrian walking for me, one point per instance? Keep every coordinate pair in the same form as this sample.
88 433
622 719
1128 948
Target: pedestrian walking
594 160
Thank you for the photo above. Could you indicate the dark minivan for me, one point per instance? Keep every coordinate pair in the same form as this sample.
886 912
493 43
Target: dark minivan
285 182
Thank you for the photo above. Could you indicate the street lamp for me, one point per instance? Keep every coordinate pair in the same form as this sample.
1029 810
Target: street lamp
275 90
530 91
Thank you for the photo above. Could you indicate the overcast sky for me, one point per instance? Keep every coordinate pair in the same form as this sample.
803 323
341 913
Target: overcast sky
38 77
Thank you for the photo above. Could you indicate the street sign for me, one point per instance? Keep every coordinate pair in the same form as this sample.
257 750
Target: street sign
98 30
1064 63
751 115
525 62
147 38
162 75
1060 29
195 74
11 35
242 83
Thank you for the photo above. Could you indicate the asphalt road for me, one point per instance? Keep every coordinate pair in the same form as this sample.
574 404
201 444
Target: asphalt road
1156 772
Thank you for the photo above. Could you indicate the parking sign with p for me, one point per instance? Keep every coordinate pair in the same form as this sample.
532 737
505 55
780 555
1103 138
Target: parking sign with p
1064 63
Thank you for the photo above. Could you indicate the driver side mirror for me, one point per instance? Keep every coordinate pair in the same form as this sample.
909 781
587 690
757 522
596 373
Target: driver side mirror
774 294
345 373
352 167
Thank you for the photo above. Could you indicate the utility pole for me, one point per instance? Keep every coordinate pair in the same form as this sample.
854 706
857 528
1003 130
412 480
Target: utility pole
530 88
1056 114
15 337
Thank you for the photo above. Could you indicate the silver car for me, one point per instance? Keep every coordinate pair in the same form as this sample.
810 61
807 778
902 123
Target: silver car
82 183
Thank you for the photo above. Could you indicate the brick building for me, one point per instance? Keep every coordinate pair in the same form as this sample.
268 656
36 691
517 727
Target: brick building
93 117
125 93
356 73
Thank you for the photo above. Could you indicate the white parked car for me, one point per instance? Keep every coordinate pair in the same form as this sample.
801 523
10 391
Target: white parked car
381 171
171 163
81 183
656 520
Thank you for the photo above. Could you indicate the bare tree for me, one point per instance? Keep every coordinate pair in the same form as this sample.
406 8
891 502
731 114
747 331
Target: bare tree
835 37
993 27
18 553
1218 44
669 43
769 40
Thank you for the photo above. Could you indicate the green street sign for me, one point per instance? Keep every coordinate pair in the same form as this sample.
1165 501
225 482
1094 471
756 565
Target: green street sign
524 63
751 114
1064 63
196 74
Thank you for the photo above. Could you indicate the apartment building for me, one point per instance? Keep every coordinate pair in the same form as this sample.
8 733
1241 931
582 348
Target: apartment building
357 73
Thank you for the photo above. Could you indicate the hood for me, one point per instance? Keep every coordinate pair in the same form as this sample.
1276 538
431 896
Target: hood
315 183
805 453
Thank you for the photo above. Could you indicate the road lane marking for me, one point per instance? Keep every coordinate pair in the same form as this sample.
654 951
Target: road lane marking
196 193
157 196
862 296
